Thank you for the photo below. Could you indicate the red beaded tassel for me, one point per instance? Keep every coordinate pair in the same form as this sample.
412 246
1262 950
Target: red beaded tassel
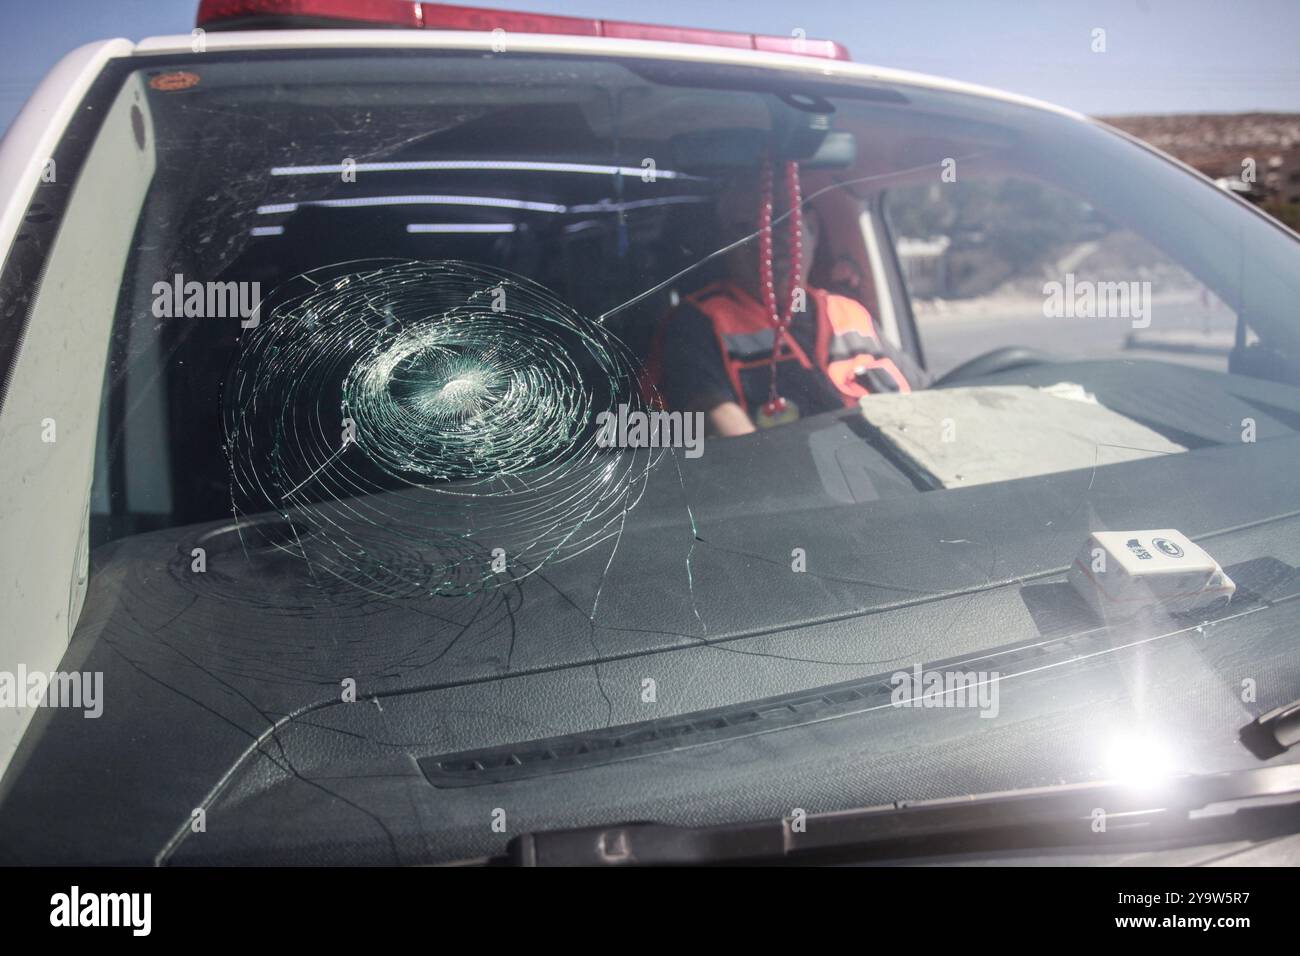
775 404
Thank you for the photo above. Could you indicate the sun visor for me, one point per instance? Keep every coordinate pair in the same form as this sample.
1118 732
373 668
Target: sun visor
958 437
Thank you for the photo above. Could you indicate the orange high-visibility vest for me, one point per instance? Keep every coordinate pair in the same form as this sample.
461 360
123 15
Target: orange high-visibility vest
846 343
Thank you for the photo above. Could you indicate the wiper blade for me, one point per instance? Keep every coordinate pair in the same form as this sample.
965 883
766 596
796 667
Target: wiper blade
1273 733
1247 804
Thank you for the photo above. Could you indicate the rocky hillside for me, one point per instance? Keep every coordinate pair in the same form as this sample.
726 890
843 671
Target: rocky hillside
1218 143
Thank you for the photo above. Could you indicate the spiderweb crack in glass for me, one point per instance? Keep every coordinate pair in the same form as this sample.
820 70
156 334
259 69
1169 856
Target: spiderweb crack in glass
434 410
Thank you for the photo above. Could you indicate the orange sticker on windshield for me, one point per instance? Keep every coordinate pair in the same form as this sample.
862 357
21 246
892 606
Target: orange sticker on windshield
170 82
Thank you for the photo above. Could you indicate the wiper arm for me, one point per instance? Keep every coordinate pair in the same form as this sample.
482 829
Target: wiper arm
1247 804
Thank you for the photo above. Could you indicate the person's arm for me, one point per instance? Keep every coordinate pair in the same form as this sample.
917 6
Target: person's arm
728 419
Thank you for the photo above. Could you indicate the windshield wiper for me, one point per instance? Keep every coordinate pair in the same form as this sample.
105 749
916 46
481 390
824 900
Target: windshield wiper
1247 804
1273 733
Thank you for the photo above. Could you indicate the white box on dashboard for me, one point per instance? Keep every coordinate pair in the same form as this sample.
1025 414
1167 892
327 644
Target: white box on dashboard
1122 573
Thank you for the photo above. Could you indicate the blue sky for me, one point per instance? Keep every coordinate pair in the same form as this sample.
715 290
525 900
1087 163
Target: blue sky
1161 56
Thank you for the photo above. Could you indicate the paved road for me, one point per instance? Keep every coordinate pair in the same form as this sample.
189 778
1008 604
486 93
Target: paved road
950 339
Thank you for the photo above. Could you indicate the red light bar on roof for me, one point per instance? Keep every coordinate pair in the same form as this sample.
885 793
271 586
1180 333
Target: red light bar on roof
252 14
266 14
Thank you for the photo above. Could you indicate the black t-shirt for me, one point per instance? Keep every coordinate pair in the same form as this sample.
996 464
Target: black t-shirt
695 378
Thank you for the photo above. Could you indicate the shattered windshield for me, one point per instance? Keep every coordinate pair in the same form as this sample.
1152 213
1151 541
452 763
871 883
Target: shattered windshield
455 403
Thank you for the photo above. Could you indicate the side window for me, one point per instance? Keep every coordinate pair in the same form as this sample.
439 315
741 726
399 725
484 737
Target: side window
1009 261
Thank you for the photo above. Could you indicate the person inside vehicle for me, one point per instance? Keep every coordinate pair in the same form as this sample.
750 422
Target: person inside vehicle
754 349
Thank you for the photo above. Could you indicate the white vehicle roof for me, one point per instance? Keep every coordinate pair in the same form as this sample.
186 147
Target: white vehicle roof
576 46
